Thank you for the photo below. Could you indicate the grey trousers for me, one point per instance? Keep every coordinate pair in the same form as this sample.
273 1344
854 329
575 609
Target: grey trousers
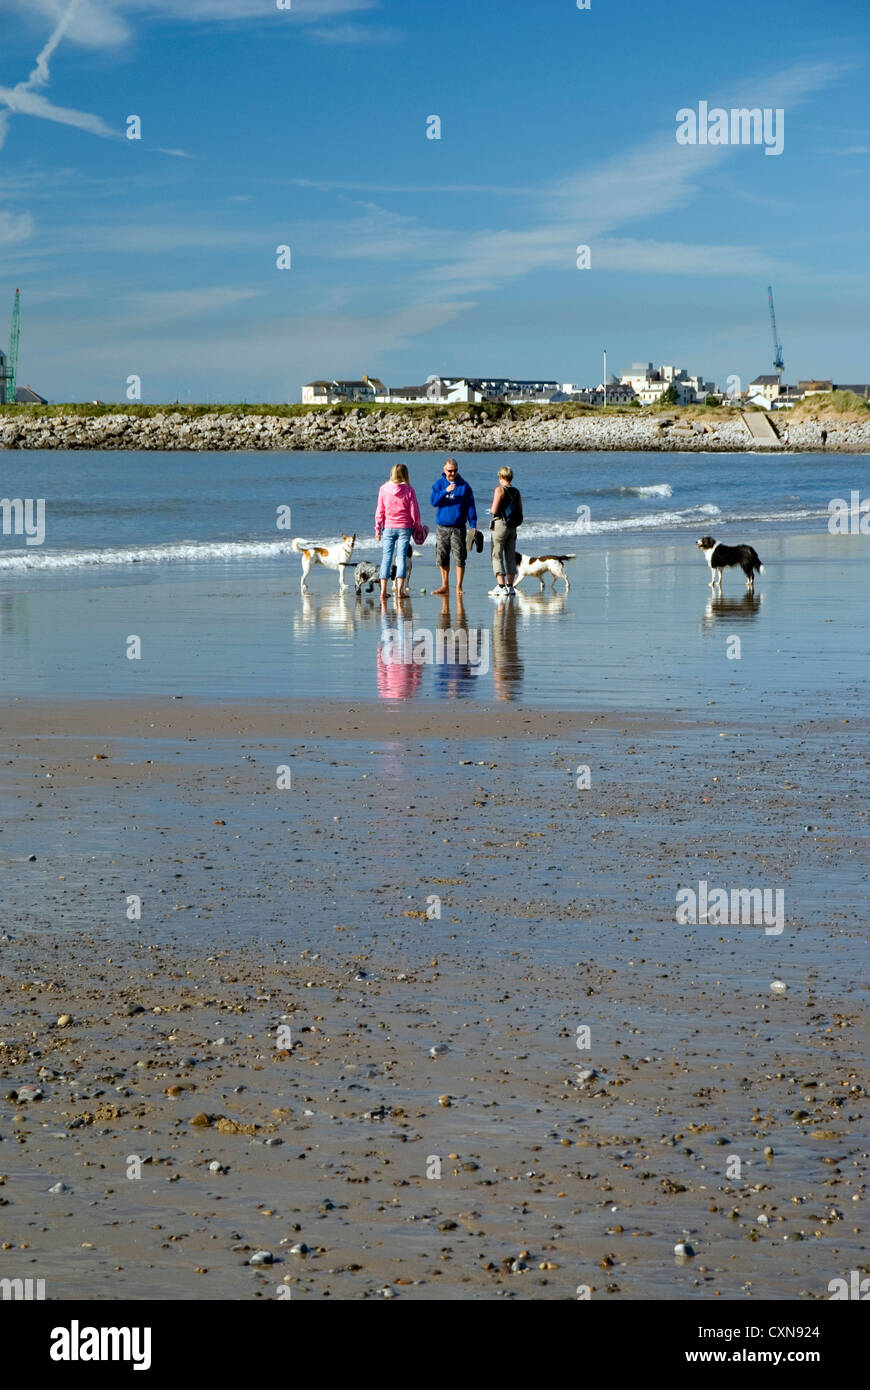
504 548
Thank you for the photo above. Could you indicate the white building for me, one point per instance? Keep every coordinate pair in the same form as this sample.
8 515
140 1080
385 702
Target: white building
341 392
649 383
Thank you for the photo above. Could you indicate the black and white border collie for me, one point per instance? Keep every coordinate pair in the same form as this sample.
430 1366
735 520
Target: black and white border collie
722 557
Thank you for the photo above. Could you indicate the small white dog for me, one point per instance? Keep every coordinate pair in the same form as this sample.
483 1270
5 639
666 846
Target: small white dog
536 566
332 557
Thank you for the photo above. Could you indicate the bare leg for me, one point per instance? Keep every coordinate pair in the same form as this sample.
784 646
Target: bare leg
383 593
445 585
460 574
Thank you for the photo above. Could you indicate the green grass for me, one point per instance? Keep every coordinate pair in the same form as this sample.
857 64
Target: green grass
832 403
492 410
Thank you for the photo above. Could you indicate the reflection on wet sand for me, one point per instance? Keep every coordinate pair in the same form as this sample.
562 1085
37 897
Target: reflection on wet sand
458 654
342 612
547 605
507 668
735 610
455 678
13 615
399 675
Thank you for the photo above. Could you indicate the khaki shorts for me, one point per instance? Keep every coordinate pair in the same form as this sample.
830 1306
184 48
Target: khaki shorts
504 548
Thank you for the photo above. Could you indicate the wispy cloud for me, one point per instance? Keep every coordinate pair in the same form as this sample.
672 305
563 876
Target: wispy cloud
15 227
163 306
19 100
683 258
25 98
107 23
508 190
355 34
655 177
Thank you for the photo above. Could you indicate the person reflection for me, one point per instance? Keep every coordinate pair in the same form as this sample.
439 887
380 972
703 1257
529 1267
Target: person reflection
400 675
455 646
507 668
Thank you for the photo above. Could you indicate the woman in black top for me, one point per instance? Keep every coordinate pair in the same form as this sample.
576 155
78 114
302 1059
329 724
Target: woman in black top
506 510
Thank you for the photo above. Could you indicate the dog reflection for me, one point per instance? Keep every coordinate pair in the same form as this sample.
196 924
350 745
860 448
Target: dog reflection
341 612
541 605
735 610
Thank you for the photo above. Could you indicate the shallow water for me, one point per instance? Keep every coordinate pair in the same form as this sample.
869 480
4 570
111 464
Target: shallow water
640 629
104 508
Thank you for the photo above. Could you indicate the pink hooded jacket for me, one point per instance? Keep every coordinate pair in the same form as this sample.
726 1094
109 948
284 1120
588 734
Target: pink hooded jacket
397 507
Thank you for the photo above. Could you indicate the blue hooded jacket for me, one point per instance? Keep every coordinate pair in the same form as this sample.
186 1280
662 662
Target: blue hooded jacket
456 508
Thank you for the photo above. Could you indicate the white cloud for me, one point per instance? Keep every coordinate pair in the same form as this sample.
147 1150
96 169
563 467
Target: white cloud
20 101
106 23
24 100
93 24
15 226
655 177
355 34
683 258
159 306
271 356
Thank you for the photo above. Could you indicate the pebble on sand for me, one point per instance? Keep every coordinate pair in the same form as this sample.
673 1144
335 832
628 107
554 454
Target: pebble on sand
262 1257
683 1249
64 1020
25 1093
778 986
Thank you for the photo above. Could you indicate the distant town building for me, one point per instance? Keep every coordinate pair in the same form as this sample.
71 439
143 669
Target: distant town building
342 392
25 395
643 383
771 393
649 384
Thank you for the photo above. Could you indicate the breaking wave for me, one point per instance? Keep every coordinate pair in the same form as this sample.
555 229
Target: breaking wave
228 552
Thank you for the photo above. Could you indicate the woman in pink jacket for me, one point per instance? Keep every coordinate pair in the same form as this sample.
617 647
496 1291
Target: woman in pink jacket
397 516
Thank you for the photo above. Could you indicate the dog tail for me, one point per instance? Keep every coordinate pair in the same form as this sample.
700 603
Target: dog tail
563 559
300 544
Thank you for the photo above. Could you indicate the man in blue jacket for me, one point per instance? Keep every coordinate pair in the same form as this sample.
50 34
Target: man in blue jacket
455 512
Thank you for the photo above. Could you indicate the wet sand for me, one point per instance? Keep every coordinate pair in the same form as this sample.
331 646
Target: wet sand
419 886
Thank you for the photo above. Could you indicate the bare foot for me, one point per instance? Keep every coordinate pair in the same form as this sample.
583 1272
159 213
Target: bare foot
459 590
441 591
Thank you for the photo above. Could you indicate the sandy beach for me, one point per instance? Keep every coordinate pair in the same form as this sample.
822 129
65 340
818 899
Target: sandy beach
366 960
417 888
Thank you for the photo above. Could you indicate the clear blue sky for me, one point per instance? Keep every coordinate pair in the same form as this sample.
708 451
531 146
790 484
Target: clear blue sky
307 127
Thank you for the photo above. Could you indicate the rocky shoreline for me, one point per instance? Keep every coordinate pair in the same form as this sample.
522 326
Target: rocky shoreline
386 431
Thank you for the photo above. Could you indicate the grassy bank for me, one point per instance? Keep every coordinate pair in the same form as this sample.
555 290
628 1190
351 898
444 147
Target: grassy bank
492 410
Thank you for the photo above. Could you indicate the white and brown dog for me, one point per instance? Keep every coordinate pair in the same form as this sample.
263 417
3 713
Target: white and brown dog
332 557
536 566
